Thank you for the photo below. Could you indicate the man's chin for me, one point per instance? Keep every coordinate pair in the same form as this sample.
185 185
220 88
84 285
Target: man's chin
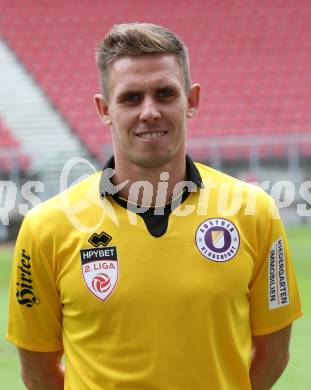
151 162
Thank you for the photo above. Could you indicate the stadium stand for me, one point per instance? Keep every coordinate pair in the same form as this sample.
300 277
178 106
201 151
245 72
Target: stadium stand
40 129
11 154
252 58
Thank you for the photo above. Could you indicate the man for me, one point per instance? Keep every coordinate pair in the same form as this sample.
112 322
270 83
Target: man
155 284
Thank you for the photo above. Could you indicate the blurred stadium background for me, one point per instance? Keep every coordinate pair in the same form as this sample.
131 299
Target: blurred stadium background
253 60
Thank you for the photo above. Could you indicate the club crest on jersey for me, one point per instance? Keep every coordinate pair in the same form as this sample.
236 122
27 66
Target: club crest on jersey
100 270
217 239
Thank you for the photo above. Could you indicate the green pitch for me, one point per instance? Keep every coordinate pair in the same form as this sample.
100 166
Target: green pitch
297 375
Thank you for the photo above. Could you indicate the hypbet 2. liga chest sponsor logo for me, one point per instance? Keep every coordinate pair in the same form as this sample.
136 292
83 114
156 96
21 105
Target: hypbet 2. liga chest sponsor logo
217 239
100 270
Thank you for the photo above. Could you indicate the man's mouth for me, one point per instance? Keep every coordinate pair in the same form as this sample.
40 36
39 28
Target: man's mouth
152 134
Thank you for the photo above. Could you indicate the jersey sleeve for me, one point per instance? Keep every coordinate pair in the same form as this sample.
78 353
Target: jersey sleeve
34 303
273 294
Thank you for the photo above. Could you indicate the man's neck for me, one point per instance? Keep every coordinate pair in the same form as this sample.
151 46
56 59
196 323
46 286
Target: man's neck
155 184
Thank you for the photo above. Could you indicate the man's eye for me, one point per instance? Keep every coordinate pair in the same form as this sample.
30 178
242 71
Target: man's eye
165 93
132 97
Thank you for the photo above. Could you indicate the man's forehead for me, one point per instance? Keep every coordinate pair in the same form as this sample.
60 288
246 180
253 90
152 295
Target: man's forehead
137 85
154 59
149 70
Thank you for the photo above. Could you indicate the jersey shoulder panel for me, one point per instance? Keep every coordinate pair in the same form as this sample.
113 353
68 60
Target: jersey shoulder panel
57 209
254 198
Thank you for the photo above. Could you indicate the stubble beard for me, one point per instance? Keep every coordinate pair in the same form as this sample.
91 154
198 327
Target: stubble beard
156 159
152 162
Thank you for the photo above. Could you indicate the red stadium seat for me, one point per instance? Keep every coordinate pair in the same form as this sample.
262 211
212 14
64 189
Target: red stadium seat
254 68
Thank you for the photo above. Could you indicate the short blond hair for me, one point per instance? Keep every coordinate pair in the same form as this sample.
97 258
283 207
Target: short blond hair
136 39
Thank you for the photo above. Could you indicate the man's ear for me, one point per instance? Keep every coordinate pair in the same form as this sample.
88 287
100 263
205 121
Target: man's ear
194 95
102 109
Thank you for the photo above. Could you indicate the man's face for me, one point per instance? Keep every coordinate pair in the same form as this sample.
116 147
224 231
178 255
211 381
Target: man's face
148 109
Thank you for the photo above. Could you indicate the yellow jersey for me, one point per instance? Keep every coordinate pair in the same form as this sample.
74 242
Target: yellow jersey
138 308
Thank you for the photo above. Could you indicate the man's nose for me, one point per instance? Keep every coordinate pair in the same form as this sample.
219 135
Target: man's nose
149 110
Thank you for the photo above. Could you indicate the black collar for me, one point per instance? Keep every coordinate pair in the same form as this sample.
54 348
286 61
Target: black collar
106 187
